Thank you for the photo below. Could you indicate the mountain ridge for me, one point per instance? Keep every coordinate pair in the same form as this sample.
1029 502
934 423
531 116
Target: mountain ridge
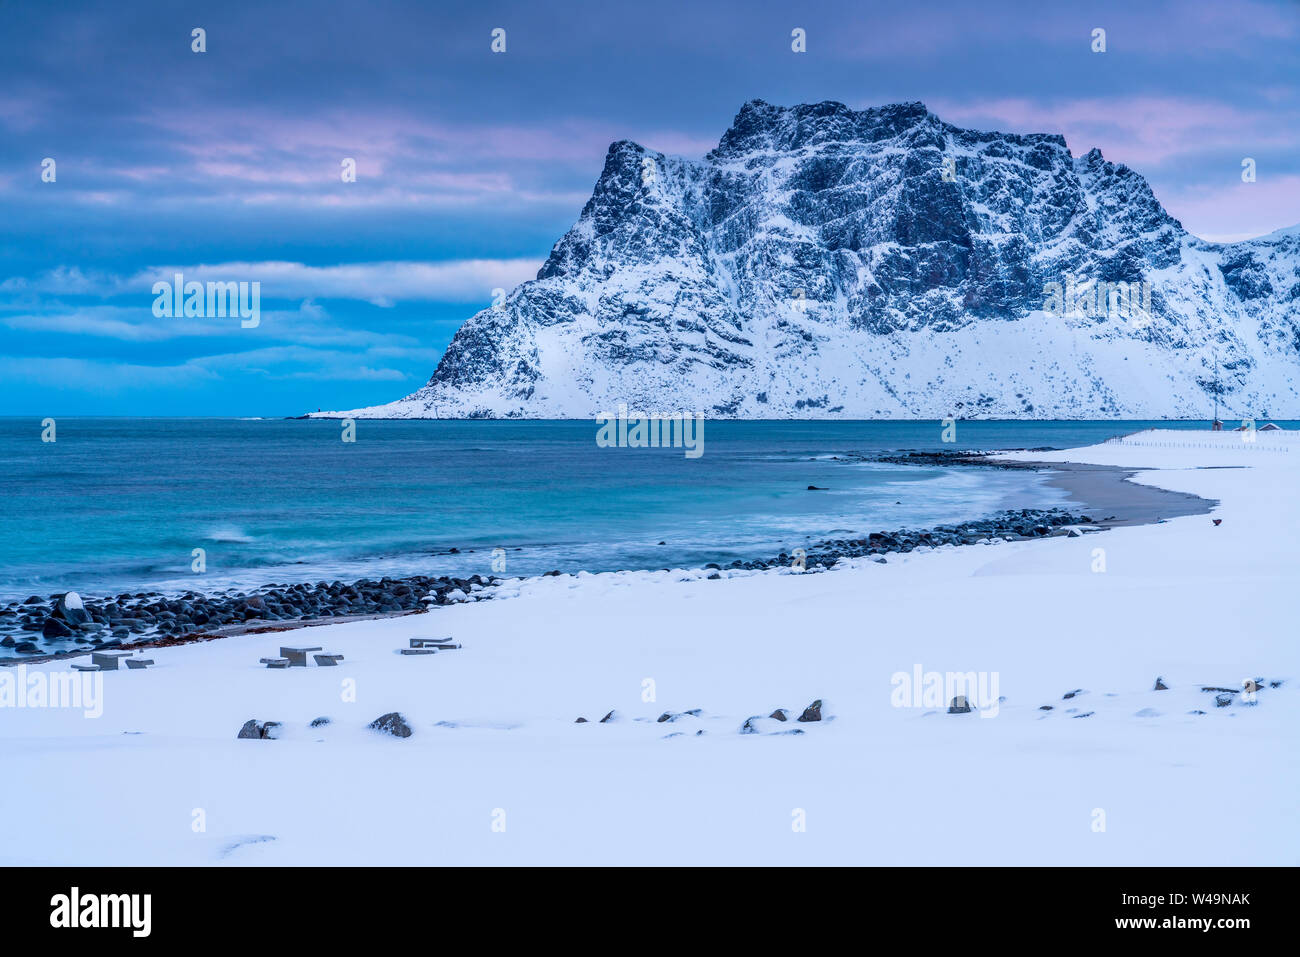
829 262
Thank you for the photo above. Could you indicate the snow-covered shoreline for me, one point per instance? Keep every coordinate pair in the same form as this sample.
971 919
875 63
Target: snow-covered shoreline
161 778
280 607
152 618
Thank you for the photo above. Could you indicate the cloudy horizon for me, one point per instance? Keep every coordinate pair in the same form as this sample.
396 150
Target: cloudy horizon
470 164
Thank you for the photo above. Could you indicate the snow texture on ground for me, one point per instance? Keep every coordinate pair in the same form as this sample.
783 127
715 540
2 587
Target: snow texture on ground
497 771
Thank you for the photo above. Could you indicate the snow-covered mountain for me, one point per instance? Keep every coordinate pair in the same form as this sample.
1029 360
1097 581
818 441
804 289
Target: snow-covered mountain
826 262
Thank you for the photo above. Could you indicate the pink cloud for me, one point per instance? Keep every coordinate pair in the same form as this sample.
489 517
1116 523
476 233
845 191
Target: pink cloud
1142 131
389 136
1146 132
1238 210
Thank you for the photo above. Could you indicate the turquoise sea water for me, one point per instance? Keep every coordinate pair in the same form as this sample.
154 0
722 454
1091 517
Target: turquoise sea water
120 504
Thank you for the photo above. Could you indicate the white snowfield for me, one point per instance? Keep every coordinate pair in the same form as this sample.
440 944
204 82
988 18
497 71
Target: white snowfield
497 772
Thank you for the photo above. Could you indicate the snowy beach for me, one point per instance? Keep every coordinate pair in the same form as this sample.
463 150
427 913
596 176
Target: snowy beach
497 770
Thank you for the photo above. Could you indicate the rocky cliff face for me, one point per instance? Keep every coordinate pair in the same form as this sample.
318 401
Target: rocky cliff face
826 262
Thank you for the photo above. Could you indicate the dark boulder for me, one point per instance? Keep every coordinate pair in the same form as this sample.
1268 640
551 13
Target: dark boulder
266 730
54 628
813 712
70 609
392 723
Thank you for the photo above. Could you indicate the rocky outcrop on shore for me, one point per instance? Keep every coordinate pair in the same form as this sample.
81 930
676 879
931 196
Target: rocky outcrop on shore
152 616
65 623
951 457
1014 525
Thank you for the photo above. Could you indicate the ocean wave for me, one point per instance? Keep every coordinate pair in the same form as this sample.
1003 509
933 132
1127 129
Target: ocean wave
229 533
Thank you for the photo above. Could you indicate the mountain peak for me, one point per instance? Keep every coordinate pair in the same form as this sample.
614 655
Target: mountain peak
879 263
761 127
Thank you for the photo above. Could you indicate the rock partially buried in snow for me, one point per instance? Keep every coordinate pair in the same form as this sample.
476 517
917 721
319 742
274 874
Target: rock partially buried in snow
392 723
608 717
265 730
959 705
1160 684
779 714
319 722
1222 700
813 712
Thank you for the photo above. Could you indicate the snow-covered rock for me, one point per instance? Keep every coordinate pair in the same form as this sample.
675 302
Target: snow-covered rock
71 609
826 262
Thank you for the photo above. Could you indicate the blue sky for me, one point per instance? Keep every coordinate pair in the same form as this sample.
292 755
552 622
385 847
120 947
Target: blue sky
470 164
